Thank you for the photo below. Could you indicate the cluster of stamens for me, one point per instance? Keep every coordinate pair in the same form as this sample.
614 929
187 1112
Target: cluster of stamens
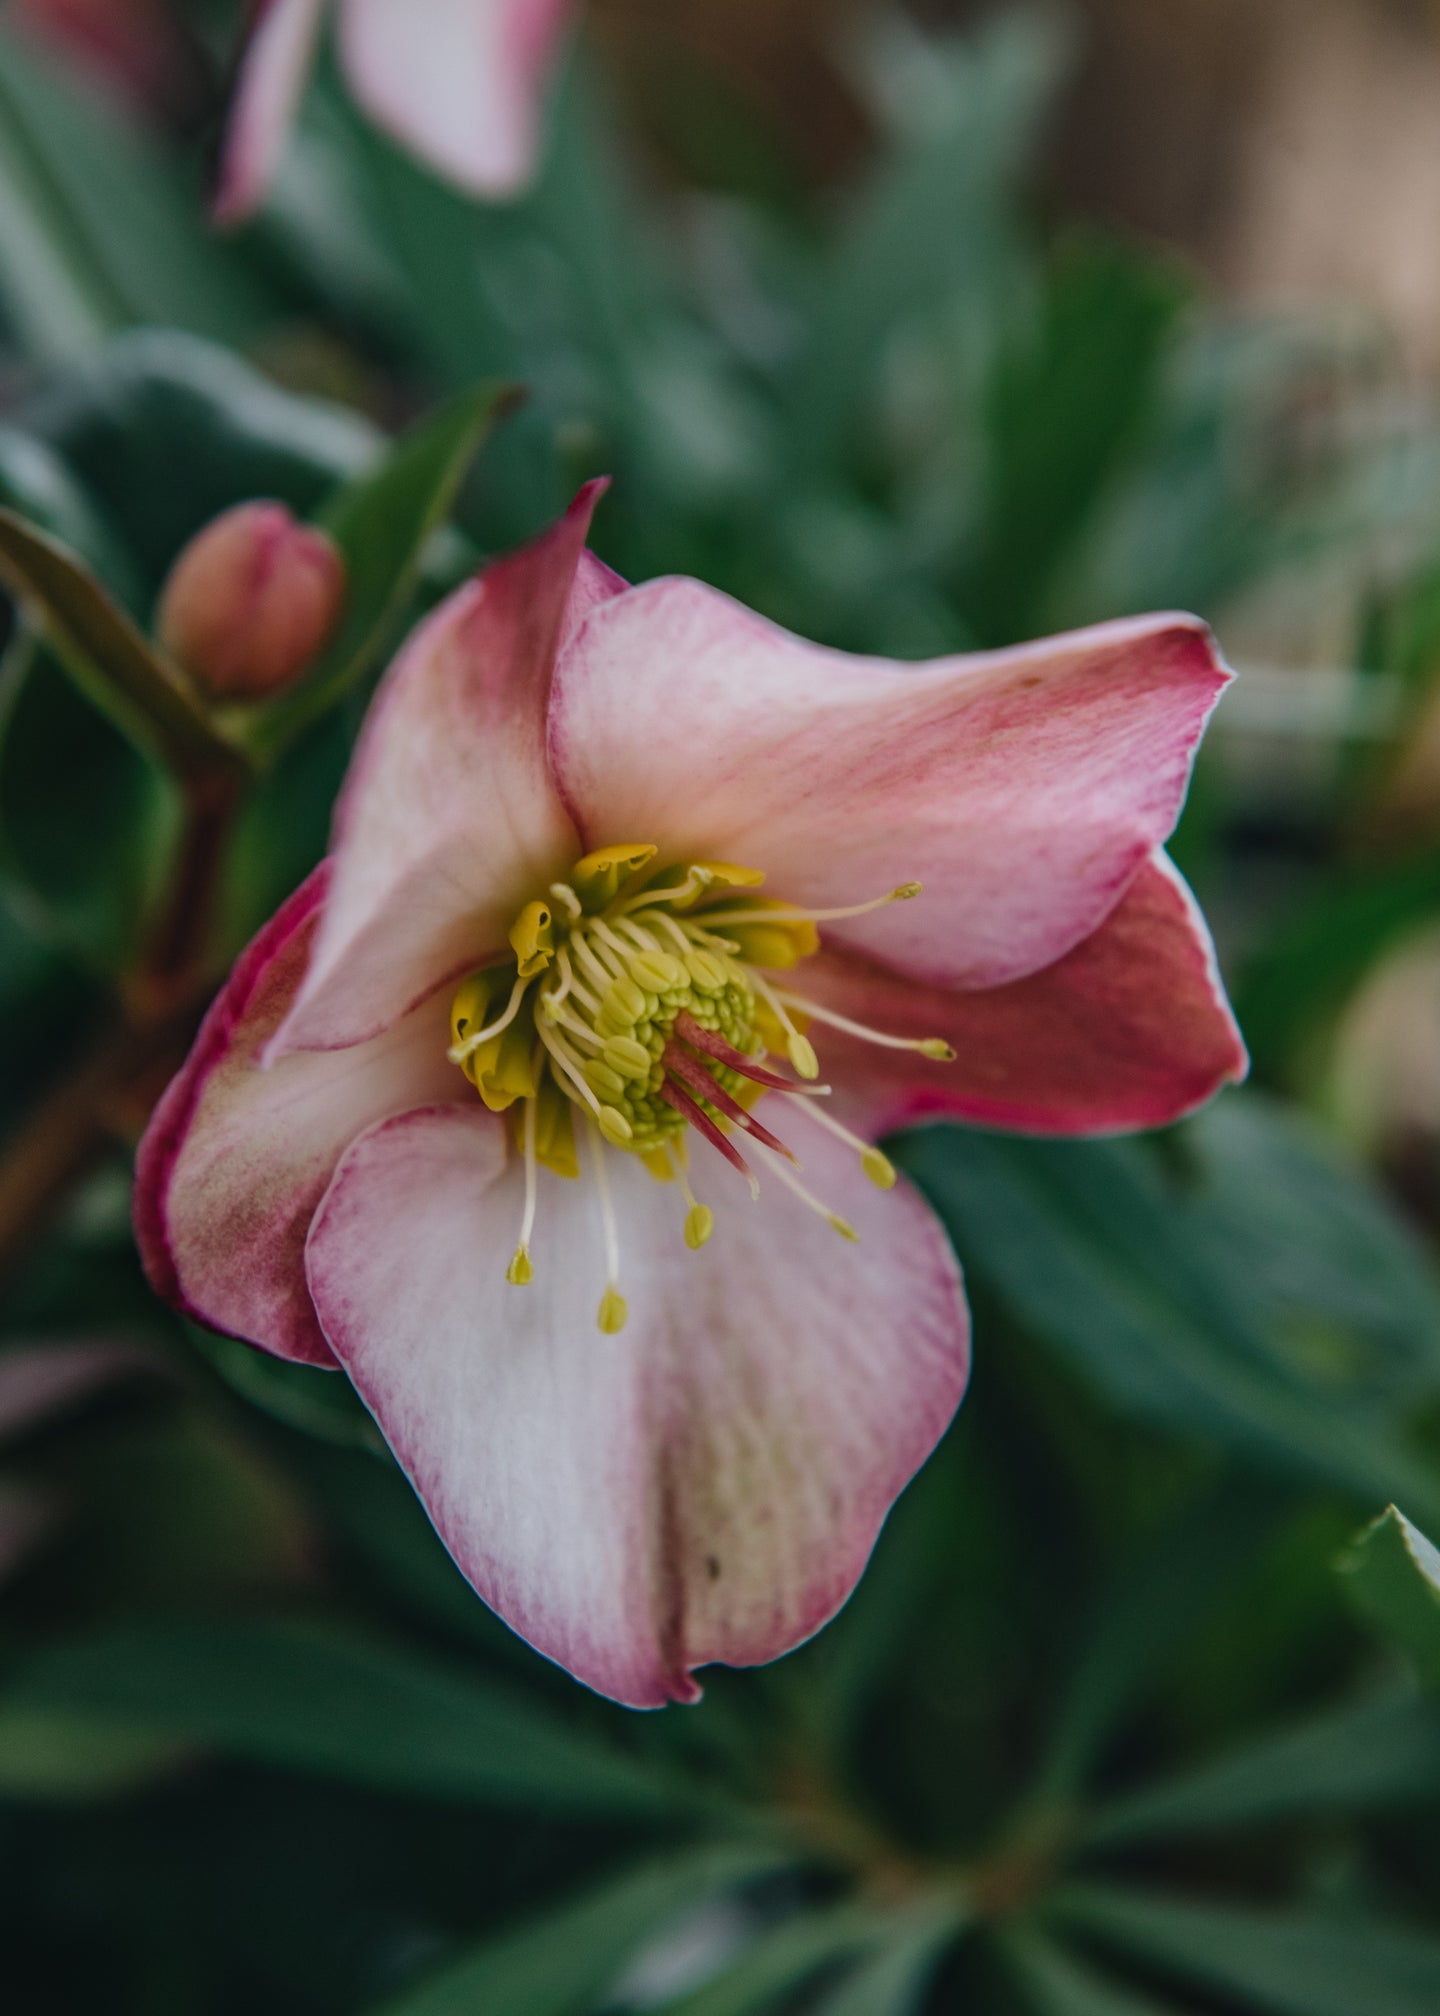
635 1003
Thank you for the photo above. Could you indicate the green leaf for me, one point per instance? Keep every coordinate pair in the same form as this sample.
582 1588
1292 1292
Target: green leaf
165 431
1055 1982
933 221
780 1960
1287 1963
114 665
325 1701
1156 1600
1380 1756
121 230
893 1980
1131 1292
558 1964
53 1755
1393 1576
382 522
37 485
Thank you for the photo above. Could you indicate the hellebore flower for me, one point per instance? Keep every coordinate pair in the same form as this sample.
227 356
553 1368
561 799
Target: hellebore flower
458 82
474 1117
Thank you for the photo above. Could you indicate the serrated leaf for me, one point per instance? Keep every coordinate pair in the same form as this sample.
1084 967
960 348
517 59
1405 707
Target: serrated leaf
381 522
556 1965
332 1703
1393 1576
113 664
1283 1963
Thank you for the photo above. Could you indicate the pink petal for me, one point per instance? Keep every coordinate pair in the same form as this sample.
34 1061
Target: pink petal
1130 1029
1023 788
458 82
449 822
236 1157
708 1484
273 70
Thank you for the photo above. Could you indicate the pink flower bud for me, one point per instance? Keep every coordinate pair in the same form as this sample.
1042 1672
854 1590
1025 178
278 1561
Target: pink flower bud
251 600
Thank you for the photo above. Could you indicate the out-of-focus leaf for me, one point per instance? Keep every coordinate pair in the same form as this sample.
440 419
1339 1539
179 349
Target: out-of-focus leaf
302 1396
1393 1576
932 222
1056 1982
52 1755
1312 1240
130 236
116 667
1313 958
1064 412
37 485
1094 1250
892 1981
558 1964
1288 1963
381 522
1154 1603
76 862
1381 1756
779 1961
325 1701
166 431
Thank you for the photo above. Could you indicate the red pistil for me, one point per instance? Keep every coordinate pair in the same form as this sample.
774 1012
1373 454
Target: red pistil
699 1080
715 1046
676 1096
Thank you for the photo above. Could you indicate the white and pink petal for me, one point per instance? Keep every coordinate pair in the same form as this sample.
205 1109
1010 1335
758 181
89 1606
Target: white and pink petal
1131 1029
1024 788
449 822
460 83
273 70
236 1157
705 1486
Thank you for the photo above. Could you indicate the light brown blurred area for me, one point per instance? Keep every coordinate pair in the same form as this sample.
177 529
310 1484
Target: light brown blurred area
1290 147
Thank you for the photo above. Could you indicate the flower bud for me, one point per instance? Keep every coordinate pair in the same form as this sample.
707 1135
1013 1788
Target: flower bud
250 601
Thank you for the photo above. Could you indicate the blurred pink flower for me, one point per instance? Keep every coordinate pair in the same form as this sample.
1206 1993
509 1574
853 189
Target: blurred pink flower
458 82
539 950
137 47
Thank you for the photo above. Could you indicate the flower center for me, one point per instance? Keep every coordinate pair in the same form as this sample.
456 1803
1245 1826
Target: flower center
635 1004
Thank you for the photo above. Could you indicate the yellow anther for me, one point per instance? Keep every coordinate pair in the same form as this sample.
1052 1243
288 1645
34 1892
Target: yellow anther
938 1048
623 1006
906 891
699 1224
532 939
629 1058
879 1168
599 877
845 1229
613 1312
614 1126
603 1082
801 1052
657 972
520 1273
705 971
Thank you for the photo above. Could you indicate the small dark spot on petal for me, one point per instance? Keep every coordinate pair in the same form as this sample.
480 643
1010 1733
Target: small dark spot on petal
712 1563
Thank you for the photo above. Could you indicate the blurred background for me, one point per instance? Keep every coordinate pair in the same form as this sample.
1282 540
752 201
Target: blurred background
919 329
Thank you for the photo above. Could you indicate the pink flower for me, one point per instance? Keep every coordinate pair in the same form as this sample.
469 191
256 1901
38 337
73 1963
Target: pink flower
458 82
658 1423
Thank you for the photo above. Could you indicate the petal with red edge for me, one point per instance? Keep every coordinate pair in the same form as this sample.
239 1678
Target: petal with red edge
1130 1029
459 82
449 821
236 1158
273 70
708 1484
1024 788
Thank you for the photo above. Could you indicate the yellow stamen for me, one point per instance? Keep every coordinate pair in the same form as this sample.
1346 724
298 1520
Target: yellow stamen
903 894
612 1303
799 1049
792 1182
879 1168
520 1272
928 1046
